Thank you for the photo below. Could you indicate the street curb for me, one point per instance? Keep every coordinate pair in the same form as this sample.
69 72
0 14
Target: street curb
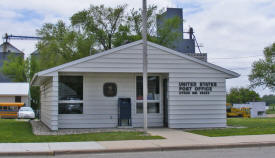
48 153
171 148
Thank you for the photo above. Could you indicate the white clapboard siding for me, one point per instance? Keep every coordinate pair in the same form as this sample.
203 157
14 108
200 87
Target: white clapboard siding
102 112
49 103
185 111
197 111
130 60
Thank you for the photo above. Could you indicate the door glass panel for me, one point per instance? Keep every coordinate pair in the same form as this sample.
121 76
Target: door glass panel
151 108
153 88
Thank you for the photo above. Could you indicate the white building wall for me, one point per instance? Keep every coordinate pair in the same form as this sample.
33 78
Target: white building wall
257 109
49 103
196 111
185 111
25 99
7 99
102 112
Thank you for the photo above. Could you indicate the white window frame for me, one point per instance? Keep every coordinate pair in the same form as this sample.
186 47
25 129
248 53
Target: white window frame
149 101
73 101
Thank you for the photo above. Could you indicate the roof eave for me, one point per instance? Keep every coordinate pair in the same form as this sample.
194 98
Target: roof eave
33 80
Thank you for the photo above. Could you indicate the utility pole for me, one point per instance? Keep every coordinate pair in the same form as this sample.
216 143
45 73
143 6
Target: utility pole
145 61
5 43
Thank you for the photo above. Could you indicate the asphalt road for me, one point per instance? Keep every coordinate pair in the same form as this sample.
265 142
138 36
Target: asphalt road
253 152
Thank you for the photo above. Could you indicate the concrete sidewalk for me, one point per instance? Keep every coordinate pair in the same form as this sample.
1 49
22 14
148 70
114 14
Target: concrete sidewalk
175 139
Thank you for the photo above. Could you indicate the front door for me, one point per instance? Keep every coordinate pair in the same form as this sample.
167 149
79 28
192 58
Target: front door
165 103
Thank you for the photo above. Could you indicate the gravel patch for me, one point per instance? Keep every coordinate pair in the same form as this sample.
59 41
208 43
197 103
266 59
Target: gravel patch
39 128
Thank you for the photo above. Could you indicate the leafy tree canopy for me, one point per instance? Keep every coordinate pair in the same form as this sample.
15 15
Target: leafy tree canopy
61 44
242 95
263 70
16 68
269 99
100 22
112 27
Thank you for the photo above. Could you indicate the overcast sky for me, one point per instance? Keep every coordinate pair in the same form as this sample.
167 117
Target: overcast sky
233 32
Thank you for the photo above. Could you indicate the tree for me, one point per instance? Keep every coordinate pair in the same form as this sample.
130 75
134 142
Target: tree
134 19
112 27
61 44
166 35
100 22
162 35
242 95
269 99
263 70
16 68
34 66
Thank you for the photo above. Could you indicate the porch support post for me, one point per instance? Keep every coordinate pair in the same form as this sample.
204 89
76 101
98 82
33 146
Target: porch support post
145 61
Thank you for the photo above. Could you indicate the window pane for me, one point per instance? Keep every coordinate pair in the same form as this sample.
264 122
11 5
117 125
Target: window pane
17 98
139 88
70 88
70 108
153 88
139 108
151 108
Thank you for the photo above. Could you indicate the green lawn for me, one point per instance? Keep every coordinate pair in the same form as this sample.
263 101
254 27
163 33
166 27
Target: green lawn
254 126
12 131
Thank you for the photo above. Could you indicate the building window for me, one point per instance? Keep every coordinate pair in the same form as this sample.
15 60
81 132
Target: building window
139 108
109 89
153 94
17 99
153 88
70 94
151 108
70 88
70 108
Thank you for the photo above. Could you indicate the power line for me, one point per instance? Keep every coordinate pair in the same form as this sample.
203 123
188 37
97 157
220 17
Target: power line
239 57
241 67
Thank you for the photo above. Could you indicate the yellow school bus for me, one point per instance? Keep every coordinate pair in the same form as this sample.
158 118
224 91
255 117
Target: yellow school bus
9 110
